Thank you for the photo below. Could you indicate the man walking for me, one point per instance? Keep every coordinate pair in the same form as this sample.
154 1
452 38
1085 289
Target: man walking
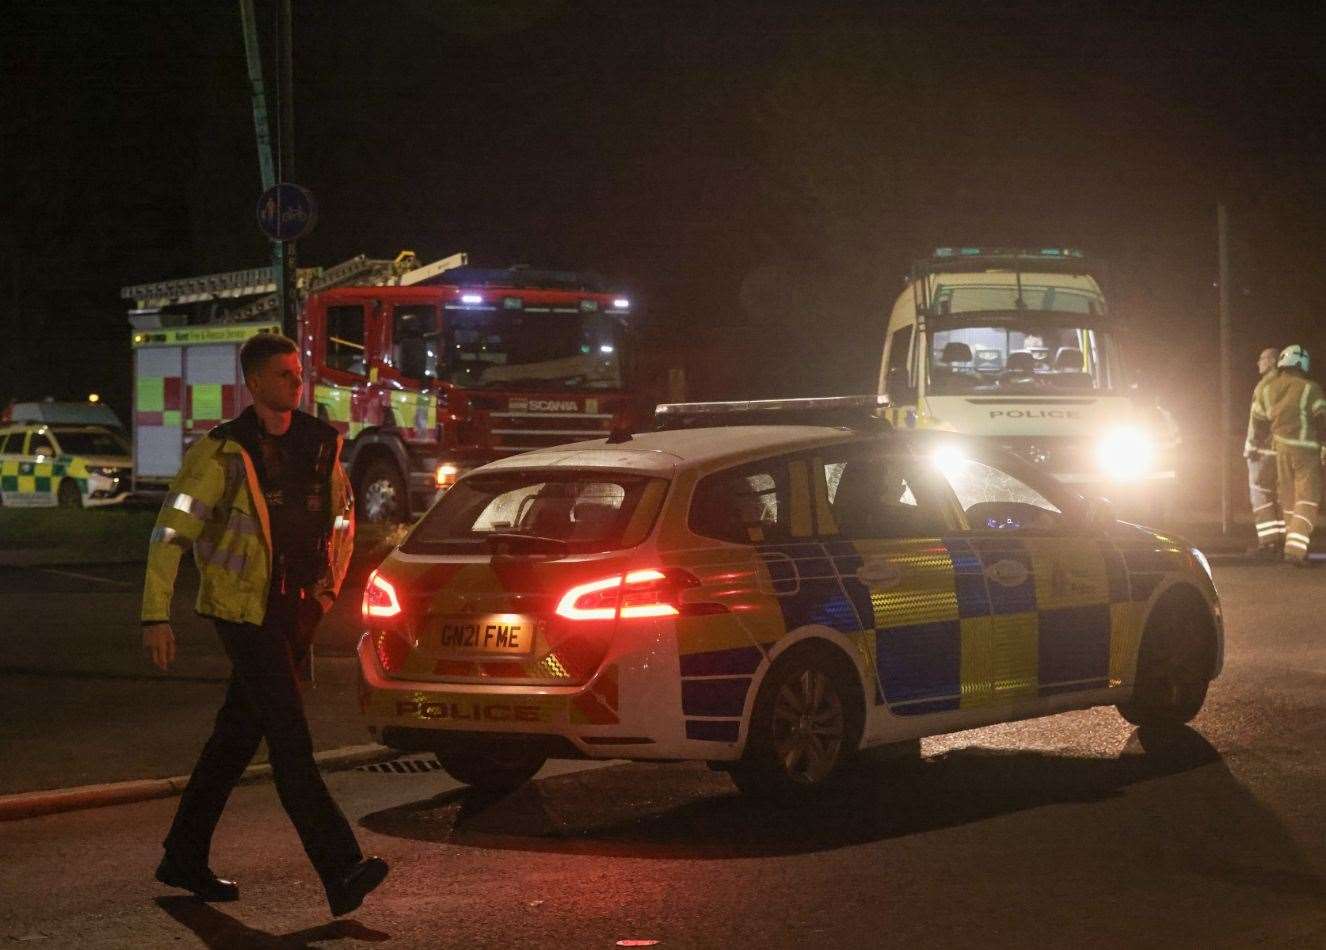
1290 416
1266 513
266 508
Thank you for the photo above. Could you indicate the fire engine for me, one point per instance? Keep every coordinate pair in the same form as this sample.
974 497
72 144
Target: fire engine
428 371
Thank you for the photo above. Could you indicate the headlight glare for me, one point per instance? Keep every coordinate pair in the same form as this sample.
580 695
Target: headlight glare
1125 454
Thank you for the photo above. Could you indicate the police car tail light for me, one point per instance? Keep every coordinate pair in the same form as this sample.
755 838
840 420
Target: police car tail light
633 596
380 600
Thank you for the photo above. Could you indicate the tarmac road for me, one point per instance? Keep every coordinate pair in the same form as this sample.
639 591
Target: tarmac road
1069 831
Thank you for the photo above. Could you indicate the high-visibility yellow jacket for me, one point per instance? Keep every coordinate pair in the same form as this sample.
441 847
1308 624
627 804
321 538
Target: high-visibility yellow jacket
1290 409
216 507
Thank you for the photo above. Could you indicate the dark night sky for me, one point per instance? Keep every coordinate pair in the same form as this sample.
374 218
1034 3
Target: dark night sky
757 175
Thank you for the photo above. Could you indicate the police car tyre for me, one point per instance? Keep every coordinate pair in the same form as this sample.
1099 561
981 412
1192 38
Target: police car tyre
805 726
1173 665
380 494
492 772
69 496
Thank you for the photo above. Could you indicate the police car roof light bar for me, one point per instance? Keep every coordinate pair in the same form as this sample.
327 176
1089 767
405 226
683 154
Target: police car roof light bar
855 412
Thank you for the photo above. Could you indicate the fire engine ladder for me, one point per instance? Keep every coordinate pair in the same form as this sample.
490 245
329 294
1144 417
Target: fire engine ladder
404 271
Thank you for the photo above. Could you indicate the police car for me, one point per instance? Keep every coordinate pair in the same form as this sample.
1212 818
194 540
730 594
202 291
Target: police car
74 466
769 598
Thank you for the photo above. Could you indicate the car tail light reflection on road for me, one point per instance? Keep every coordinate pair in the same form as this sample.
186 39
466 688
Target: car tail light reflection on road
633 596
380 600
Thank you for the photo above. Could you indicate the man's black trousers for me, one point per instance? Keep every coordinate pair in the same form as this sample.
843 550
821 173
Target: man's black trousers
263 702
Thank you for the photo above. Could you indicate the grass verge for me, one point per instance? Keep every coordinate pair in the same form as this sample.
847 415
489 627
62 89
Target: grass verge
92 529
127 529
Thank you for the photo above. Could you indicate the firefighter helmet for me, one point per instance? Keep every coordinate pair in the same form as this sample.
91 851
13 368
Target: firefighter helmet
1293 357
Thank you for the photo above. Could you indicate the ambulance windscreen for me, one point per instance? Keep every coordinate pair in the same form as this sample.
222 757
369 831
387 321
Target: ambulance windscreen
583 512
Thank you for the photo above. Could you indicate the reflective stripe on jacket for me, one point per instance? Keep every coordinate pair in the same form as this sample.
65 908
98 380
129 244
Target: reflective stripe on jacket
216 507
1291 408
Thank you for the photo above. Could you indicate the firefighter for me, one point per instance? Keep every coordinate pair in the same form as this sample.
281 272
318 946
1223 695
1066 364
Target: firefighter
265 506
1290 416
1266 513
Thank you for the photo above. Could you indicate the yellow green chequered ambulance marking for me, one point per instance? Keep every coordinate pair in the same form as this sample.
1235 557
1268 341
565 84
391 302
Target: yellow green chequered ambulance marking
40 481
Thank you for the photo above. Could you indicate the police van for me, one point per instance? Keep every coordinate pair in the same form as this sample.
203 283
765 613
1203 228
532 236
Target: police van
1018 348
769 587
75 466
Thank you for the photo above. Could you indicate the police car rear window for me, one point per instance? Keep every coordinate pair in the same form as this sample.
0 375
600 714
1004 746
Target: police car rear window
581 512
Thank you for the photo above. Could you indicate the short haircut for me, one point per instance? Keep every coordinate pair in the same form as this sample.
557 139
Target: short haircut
261 347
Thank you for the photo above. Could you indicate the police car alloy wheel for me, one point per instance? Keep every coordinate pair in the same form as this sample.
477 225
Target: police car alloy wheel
492 772
1173 667
806 724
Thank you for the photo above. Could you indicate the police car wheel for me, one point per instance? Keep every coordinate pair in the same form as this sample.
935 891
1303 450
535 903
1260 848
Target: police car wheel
806 724
1173 668
69 496
380 495
492 772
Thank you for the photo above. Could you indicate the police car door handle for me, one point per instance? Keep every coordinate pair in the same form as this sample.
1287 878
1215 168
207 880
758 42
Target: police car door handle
783 578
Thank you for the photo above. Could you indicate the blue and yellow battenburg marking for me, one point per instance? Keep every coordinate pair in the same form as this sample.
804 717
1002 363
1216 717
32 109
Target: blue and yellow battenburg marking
943 624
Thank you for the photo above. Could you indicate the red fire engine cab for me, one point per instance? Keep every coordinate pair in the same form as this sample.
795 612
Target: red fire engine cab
427 371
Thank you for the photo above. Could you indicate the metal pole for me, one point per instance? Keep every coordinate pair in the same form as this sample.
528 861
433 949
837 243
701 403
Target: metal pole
1226 367
285 140
261 124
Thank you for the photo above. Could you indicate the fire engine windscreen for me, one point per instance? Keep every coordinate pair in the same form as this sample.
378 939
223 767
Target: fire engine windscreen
571 512
1020 355
532 348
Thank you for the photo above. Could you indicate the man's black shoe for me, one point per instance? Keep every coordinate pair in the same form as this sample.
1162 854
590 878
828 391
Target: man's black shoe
201 882
347 890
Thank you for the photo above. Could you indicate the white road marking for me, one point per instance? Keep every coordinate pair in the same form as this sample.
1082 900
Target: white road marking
84 577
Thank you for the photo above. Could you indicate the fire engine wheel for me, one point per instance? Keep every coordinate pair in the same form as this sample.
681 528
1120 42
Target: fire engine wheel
69 496
380 495
492 771
1173 666
805 726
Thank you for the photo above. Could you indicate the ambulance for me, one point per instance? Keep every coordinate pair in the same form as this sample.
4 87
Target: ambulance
43 465
1018 348
770 588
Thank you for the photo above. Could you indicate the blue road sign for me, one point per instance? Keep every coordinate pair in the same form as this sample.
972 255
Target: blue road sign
286 212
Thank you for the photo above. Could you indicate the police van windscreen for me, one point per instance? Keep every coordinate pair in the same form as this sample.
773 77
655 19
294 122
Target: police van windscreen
578 512
538 347
1022 357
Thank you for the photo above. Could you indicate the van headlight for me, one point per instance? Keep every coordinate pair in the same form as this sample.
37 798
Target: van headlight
1125 454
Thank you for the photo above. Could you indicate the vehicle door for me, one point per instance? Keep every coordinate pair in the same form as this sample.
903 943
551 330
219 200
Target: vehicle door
1058 591
37 469
412 353
919 597
341 388
768 572
11 461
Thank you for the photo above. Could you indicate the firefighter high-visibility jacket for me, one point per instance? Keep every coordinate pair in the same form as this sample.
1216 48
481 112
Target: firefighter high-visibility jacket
1288 410
1258 438
216 507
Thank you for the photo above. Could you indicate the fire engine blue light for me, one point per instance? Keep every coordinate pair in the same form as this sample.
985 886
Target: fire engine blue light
621 303
606 348
471 298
